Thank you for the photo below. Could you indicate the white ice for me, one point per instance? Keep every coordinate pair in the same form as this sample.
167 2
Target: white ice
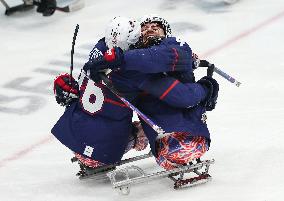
245 40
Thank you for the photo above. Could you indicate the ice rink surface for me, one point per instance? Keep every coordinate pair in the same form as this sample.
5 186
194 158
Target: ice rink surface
245 40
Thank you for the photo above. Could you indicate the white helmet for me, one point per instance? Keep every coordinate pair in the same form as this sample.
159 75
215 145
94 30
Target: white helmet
122 32
156 18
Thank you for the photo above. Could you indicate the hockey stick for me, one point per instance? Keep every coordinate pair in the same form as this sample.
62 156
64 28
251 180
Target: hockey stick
161 133
72 51
227 77
223 74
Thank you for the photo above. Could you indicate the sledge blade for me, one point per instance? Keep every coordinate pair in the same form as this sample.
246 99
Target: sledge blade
184 183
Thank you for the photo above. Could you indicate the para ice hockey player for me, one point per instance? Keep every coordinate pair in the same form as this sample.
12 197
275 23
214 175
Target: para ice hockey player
93 114
97 125
190 137
173 99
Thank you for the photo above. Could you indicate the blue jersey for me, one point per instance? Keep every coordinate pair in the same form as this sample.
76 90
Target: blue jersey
170 103
98 126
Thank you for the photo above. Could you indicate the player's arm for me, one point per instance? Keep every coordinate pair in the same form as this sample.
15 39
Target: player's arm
166 57
181 95
66 88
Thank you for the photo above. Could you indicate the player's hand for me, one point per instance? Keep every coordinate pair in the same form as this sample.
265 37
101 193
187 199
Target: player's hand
65 91
112 59
212 87
210 67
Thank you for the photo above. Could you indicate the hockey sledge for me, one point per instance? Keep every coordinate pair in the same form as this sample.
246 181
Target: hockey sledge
122 178
100 173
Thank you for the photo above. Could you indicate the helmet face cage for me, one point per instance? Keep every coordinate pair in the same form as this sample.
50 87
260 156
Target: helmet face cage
165 25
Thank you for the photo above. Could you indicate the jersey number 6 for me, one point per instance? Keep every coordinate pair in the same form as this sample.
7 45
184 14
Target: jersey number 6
92 97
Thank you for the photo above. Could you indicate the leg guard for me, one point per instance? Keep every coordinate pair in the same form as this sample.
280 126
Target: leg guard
179 148
89 162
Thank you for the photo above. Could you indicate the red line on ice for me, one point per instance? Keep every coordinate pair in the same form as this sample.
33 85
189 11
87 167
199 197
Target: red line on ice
243 35
227 43
23 152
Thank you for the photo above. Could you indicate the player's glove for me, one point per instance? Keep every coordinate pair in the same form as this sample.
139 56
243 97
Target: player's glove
64 91
213 88
210 67
112 59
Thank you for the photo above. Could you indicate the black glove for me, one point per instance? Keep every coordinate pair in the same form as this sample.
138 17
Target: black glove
204 63
64 91
213 89
46 7
210 67
210 70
